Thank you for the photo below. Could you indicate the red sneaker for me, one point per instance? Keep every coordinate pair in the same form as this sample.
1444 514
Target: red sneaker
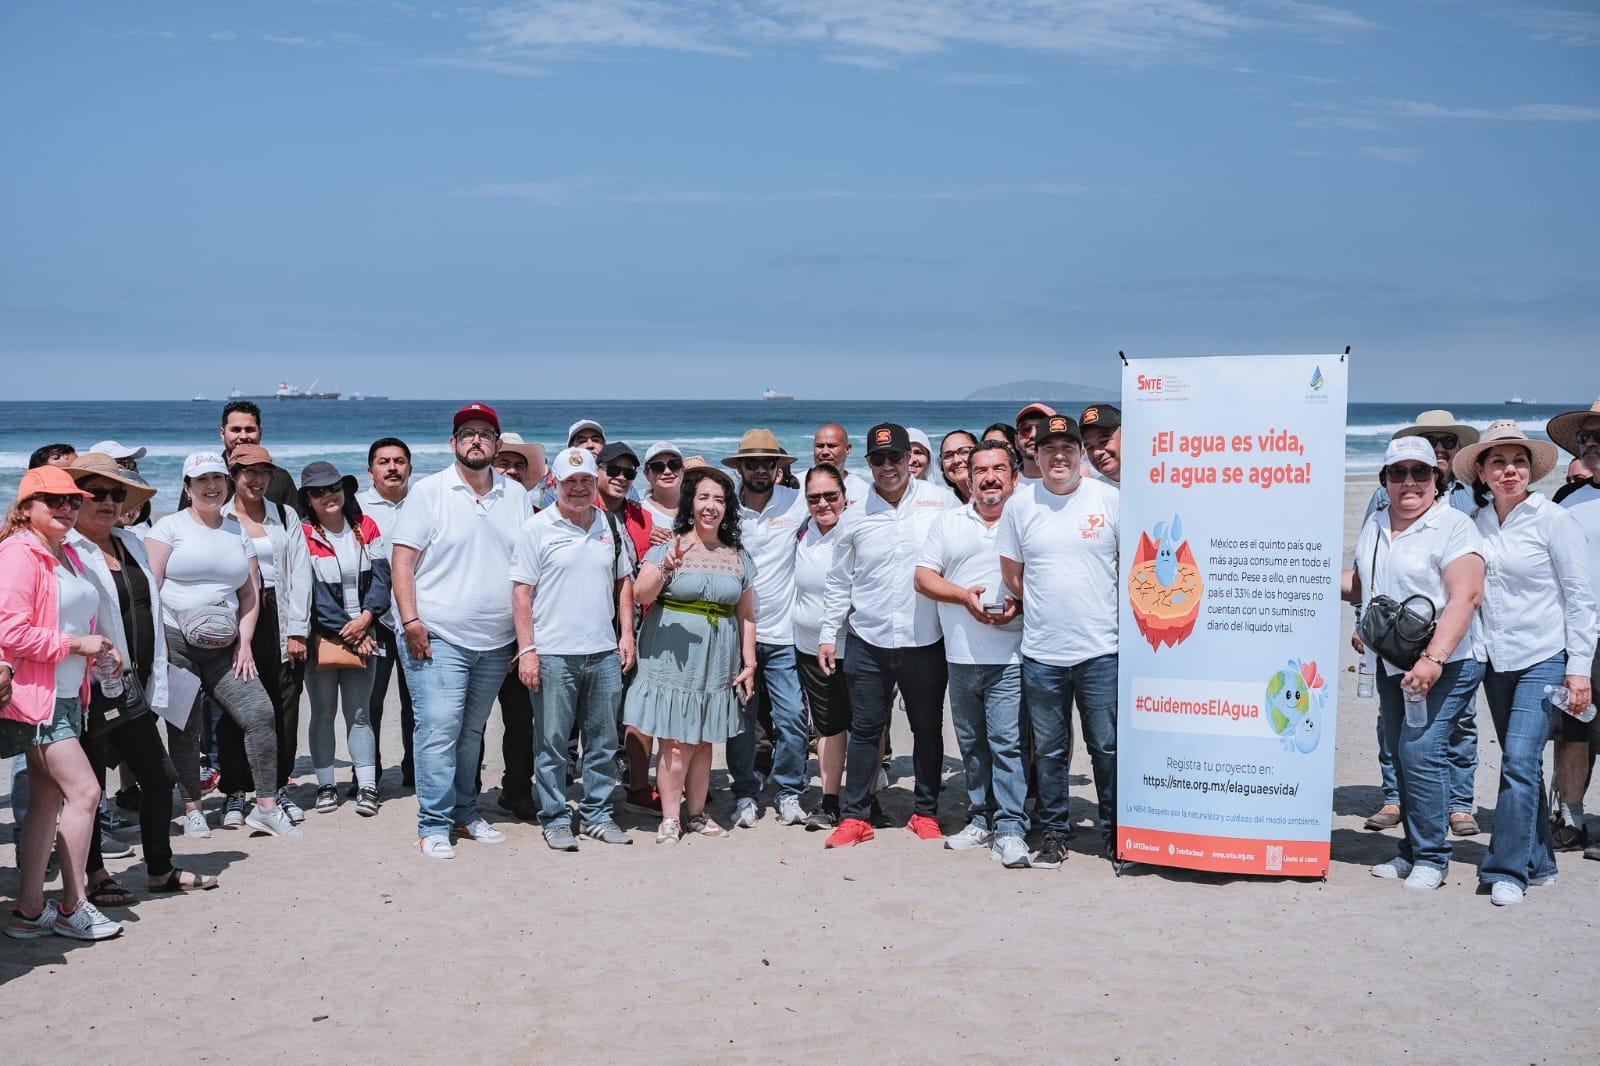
926 828
850 831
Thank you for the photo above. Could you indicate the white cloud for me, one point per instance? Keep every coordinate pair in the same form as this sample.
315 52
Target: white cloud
610 24
513 68
1514 113
292 40
591 189
1386 154
984 79
222 35
1560 25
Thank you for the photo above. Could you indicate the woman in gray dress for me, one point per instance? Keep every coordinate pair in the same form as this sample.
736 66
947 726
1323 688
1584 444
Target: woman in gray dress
697 649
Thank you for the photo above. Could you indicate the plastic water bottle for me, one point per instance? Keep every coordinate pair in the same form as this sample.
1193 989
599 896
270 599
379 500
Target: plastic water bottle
1366 677
1561 700
105 674
1416 707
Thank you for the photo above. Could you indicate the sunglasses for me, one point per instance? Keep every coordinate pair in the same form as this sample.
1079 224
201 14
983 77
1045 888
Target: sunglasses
661 466
892 458
626 473
323 490
465 435
1403 472
954 453
1588 436
760 464
1447 441
56 502
116 495
822 497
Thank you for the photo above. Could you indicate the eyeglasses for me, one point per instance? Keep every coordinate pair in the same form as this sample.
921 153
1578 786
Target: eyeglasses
1403 472
1447 441
323 490
892 458
626 473
955 453
116 495
822 497
56 502
661 466
1588 436
464 435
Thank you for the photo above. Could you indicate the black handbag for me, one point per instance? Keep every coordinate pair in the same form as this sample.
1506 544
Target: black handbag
1393 630
108 712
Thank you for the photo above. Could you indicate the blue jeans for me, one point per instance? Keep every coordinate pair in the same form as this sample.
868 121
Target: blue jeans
986 710
586 689
1463 761
776 674
1049 692
451 694
1520 848
1391 786
1422 759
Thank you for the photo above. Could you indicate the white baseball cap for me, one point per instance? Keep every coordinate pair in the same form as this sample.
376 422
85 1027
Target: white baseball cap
119 452
585 423
205 463
662 447
573 461
1402 448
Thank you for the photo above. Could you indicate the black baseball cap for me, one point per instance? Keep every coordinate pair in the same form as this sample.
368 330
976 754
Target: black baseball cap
616 450
1100 416
1057 426
888 437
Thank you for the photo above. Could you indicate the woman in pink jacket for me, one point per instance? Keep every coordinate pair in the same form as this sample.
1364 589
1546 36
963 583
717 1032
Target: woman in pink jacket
47 623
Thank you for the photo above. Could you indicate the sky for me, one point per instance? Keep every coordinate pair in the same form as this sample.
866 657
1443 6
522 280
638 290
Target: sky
840 198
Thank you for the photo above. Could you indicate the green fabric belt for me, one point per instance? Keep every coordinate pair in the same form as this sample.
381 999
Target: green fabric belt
712 612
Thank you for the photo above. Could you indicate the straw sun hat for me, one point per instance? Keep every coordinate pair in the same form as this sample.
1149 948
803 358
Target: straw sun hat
1542 454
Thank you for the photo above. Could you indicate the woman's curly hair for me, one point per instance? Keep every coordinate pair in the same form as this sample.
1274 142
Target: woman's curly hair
728 528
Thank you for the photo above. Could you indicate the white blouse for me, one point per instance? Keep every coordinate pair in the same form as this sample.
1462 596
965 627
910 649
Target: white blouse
1537 571
1412 563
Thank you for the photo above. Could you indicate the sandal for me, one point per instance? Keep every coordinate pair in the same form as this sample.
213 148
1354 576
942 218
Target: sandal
174 882
703 825
108 893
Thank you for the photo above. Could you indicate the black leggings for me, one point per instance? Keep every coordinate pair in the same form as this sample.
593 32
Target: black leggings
138 743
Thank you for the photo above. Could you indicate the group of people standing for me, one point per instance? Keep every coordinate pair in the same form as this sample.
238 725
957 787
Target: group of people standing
736 603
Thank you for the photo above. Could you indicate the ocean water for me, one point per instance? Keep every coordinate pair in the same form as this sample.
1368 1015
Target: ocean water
298 431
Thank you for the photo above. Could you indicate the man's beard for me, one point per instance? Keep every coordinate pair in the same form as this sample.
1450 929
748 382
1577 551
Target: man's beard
472 462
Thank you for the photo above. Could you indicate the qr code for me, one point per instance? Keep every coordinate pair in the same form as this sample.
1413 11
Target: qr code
1274 857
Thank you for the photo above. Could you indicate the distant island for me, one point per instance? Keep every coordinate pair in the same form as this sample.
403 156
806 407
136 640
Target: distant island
1045 390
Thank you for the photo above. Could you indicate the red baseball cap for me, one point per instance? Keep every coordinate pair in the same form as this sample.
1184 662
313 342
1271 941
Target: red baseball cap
481 412
47 481
1033 410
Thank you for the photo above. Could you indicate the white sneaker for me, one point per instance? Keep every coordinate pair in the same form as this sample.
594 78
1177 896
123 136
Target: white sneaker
20 928
1010 852
436 847
481 831
1425 879
1543 882
86 923
745 813
290 807
194 825
275 821
233 817
1396 869
789 811
973 836
1504 894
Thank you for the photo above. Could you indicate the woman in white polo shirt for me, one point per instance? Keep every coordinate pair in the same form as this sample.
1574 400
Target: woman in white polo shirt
1421 546
1538 571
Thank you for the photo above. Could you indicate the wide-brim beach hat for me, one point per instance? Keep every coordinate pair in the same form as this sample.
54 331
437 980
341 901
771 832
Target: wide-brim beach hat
758 444
1563 428
1542 454
323 475
99 464
1439 421
513 442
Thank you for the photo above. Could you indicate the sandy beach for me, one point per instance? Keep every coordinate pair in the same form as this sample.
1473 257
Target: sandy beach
347 945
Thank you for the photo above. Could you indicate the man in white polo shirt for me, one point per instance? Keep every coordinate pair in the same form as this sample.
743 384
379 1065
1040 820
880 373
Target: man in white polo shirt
571 583
895 632
1058 552
452 547
960 570
389 467
770 518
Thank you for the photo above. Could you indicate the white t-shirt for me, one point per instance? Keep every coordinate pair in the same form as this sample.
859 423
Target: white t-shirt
813 558
206 566
347 553
385 516
573 572
662 517
770 536
1412 563
266 560
466 541
961 548
1067 546
77 600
